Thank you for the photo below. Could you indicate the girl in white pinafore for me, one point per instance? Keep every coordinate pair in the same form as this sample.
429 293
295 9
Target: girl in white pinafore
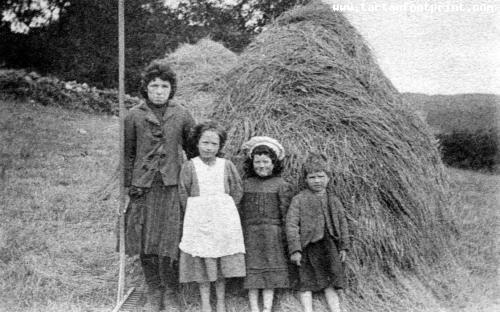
212 246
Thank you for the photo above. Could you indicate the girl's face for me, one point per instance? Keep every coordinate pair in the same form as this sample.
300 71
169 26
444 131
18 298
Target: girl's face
208 145
317 181
262 165
159 91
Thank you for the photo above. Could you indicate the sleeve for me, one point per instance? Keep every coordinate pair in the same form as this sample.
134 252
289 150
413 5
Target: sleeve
185 184
293 226
130 149
186 132
344 230
285 194
235 183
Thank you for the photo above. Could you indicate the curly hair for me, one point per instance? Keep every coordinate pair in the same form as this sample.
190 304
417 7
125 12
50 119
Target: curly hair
158 69
262 150
198 130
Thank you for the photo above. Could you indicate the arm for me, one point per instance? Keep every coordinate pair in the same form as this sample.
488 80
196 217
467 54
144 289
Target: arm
293 226
130 148
285 194
186 132
185 183
235 183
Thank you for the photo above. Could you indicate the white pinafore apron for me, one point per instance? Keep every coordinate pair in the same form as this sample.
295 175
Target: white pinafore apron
212 226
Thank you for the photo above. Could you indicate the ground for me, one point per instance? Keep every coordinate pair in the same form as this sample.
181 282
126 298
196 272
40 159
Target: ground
57 239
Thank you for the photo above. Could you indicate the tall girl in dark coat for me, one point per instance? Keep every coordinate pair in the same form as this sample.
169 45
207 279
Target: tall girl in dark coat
156 133
264 205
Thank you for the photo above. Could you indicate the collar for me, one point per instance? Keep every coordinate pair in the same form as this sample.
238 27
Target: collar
150 115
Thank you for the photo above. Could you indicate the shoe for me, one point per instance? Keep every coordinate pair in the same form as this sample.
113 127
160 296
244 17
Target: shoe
153 300
173 297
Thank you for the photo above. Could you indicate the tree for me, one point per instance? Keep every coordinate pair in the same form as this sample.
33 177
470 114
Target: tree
78 39
233 22
22 15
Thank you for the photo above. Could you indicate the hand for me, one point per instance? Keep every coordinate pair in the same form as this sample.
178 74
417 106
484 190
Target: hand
296 257
135 191
121 210
343 255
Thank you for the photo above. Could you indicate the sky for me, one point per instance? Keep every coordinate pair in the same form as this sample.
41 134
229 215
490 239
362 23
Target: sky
432 47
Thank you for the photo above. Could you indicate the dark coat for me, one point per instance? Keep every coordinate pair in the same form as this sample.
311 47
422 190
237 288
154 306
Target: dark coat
152 146
302 218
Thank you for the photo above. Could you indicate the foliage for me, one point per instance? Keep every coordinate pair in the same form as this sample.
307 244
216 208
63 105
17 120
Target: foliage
233 24
82 44
476 150
51 91
21 15
466 126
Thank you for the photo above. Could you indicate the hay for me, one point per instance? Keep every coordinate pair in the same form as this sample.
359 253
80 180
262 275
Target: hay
198 67
310 81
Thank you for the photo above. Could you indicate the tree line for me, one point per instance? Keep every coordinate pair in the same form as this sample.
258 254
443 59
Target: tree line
81 41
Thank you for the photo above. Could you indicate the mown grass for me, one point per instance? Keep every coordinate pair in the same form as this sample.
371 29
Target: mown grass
57 239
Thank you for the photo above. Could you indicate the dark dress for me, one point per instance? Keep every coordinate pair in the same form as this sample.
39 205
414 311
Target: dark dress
263 207
321 266
155 138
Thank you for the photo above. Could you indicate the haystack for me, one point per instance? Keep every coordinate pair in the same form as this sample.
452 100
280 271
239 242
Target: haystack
198 67
311 81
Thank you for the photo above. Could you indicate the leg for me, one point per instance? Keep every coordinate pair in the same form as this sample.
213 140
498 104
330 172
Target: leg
333 300
205 297
268 295
306 300
169 274
150 267
220 290
253 297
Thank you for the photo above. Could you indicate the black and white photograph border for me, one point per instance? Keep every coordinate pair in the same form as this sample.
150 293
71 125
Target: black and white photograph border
400 98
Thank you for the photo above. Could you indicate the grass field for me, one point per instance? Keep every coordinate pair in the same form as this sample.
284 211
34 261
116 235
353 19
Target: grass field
57 237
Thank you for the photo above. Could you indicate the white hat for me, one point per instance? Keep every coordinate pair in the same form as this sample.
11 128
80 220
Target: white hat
273 144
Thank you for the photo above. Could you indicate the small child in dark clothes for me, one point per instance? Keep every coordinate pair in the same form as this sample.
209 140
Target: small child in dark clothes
317 234
266 197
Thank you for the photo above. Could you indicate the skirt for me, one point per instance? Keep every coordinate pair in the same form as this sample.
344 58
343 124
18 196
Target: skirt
266 257
201 270
320 267
153 222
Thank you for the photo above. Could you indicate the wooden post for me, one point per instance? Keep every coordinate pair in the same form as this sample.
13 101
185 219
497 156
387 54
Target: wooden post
121 101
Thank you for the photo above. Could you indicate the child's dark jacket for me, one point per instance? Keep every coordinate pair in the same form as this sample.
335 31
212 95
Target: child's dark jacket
303 216
153 145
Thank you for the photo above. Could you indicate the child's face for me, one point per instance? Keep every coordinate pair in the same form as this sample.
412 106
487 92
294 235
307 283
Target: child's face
208 145
317 181
263 165
159 91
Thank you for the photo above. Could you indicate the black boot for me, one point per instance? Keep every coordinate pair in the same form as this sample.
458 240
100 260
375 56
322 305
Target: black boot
150 267
153 299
